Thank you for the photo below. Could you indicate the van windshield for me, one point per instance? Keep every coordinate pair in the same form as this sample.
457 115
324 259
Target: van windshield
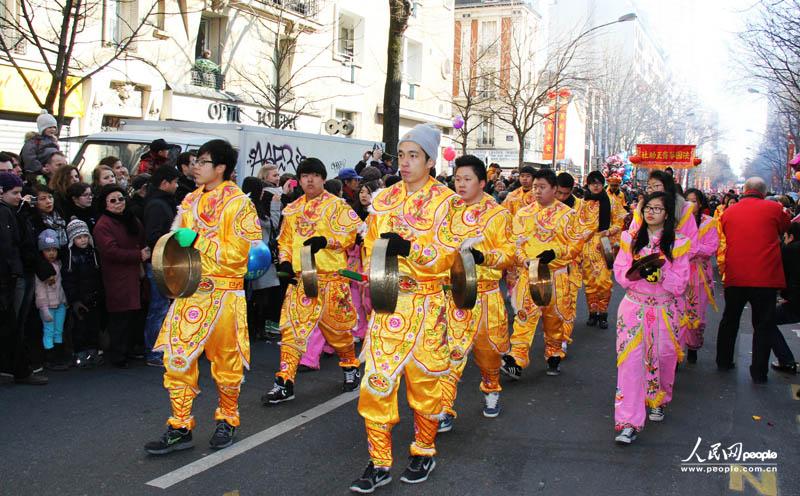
92 152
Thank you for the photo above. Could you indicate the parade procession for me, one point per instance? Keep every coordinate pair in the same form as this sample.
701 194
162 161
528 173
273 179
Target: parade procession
446 247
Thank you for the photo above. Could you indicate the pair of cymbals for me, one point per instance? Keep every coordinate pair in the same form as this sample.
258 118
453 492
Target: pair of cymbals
607 250
653 260
176 270
384 279
540 282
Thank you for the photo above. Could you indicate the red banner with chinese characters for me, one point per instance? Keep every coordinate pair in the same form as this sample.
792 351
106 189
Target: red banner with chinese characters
662 156
549 126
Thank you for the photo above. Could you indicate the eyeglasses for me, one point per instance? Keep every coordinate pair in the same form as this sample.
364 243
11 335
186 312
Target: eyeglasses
112 201
204 162
651 189
653 210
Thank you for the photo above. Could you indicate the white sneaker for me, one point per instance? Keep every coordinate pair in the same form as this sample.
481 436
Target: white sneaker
627 436
656 414
492 406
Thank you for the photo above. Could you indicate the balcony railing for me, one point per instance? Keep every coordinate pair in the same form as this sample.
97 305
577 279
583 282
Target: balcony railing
304 8
208 79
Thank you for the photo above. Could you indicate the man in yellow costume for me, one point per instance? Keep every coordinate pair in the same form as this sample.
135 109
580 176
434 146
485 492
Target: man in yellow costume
544 230
565 185
415 216
522 196
615 193
221 223
486 228
605 217
329 226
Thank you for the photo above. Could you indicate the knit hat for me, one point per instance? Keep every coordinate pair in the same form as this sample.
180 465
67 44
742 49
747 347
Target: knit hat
45 121
9 181
48 239
426 136
76 228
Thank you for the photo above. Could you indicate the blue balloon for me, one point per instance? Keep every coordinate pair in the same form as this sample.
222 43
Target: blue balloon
258 261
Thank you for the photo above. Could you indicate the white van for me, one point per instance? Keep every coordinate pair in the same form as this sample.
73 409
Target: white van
257 146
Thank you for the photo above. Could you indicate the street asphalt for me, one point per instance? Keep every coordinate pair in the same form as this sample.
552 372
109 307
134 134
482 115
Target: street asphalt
83 433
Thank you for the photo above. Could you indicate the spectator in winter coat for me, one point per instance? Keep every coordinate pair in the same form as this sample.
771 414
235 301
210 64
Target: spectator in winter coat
753 273
13 358
119 238
139 188
46 216
52 303
83 285
159 212
185 176
157 156
79 205
62 179
37 149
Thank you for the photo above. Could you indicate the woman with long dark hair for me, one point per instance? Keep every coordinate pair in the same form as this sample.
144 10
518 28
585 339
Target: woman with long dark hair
700 291
119 239
79 205
647 320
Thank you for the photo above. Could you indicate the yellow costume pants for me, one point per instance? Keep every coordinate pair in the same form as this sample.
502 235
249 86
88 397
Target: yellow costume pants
528 314
212 321
597 280
410 341
575 284
484 330
332 311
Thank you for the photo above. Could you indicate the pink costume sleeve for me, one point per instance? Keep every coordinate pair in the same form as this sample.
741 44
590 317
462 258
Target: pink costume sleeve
624 260
708 239
675 274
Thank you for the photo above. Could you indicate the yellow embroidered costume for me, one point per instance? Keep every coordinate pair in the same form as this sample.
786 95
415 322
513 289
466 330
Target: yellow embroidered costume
485 226
332 310
537 229
410 341
596 275
214 319
517 199
575 276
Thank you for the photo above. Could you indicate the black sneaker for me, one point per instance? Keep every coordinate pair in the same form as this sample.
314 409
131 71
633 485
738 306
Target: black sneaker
691 356
281 391
552 366
789 368
172 440
592 319
510 367
223 435
372 479
352 379
602 321
418 469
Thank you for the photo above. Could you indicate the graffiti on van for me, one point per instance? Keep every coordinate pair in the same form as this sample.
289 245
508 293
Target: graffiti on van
287 157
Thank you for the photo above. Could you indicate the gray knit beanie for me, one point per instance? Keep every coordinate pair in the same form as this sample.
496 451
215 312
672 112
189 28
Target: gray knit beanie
427 137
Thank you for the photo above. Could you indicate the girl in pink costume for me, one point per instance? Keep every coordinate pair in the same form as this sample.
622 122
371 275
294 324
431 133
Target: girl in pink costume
647 320
700 291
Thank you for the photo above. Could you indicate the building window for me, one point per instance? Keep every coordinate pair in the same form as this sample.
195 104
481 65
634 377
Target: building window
349 41
489 39
9 21
412 68
485 86
486 131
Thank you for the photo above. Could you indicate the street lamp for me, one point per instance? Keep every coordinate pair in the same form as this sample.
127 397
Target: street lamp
631 16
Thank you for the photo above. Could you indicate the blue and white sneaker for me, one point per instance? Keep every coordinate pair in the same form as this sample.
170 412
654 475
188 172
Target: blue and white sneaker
446 423
492 407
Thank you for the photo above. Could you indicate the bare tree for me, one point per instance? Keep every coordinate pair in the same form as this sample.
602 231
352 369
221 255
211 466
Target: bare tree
771 161
771 56
523 86
279 88
60 32
399 12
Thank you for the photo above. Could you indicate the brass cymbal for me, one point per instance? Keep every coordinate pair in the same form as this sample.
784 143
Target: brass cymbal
607 251
651 260
540 283
308 272
464 280
177 270
384 278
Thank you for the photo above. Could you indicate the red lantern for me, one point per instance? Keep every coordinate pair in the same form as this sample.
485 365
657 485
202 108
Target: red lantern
698 161
634 159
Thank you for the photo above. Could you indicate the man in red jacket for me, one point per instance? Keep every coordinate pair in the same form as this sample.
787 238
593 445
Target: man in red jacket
750 252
